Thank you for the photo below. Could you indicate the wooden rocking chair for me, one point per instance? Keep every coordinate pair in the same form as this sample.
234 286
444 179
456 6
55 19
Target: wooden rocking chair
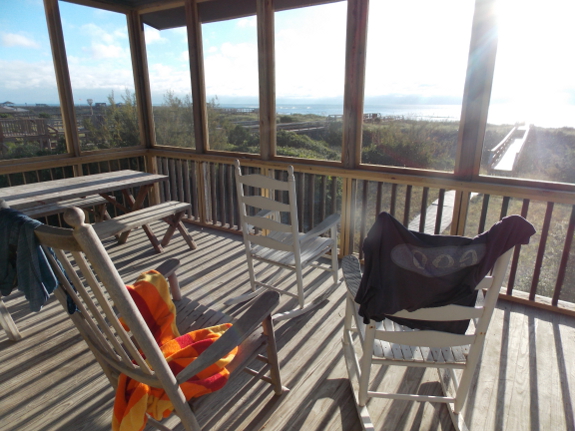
88 275
389 343
271 235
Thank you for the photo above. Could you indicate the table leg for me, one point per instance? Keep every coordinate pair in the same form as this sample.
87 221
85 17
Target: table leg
155 243
175 222
135 204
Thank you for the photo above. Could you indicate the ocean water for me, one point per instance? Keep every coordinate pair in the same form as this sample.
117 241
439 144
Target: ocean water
542 116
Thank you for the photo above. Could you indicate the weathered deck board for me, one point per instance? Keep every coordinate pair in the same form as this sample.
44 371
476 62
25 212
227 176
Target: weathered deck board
49 380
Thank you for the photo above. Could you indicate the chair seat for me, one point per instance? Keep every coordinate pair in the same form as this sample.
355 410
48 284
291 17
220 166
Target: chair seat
310 251
400 352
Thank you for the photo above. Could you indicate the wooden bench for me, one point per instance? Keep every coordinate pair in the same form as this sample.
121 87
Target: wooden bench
171 212
59 207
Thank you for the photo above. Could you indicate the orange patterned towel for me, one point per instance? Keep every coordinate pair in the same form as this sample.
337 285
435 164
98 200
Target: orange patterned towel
135 399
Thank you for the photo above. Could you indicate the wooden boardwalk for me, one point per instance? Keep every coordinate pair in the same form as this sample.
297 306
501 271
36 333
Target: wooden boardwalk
49 380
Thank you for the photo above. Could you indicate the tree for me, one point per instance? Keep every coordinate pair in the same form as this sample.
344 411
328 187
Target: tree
118 127
174 121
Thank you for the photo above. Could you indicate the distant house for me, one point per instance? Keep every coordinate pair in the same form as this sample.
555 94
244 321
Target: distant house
7 109
6 104
97 105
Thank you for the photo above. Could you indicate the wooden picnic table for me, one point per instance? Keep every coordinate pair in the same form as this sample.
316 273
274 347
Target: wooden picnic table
104 184
45 194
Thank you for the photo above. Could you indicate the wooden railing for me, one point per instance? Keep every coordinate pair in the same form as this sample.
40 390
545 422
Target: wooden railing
539 273
27 129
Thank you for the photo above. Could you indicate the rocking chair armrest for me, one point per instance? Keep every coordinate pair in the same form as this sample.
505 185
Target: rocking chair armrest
168 267
168 270
351 273
321 228
245 325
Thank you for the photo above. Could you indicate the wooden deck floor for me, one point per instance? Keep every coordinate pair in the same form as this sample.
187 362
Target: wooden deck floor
50 381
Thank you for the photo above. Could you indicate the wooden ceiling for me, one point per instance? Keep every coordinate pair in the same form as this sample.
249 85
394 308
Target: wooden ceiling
170 14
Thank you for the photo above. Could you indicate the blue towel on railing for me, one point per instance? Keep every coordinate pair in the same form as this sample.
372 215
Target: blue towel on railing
22 260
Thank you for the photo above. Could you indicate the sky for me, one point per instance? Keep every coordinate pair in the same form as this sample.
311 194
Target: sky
416 53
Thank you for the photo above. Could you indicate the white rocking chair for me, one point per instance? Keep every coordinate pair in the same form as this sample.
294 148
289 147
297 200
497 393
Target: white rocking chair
271 235
389 343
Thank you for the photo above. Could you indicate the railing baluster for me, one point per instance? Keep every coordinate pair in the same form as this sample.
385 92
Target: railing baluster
483 218
393 199
322 197
212 184
299 177
179 180
378 199
311 200
407 205
186 181
365 185
167 183
172 180
161 184
564 258
195 188
541 251
515 259
439 215
504 207
222 195
333 188
229 194
423 214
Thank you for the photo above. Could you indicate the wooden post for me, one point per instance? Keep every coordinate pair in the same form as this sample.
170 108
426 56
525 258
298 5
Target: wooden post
354 82
143 94
476 96
477 90
197 75
141 79
56 34
347 216
266 62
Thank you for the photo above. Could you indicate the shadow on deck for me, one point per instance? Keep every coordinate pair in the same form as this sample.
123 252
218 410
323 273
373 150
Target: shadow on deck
50 381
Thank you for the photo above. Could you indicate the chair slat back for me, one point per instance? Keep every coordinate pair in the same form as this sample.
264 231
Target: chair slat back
268 242
265 205
89 277
482 314
266 223
258 180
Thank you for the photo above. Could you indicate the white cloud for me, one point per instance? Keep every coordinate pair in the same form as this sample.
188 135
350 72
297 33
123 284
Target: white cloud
18 40
184 57
153 36
100 76
310 52
232 70
97 33
419 50
165 78
26 76
100 51
247 22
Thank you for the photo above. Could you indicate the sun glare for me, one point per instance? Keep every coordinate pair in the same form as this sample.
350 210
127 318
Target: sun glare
534 69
